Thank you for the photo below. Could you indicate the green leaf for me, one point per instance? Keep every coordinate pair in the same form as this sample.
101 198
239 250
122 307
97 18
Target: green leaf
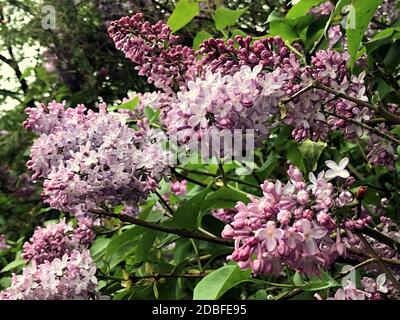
201 36
144 246
214 285
130 105
362 12
302 8
151 115
338 9
284 30
224 17
99 245
311 152
381 38
294 155
13 265
185 11
298 279
186 216
122 245
274 16
223 198
320 283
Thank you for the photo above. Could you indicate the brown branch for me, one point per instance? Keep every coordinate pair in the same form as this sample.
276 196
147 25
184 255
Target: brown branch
166 206
317 85
379 261
392 243
366 127
184 233
364 254
294 292
199 172
183 177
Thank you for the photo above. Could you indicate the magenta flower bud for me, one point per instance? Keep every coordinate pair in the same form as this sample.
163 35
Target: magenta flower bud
228 232
302 197
244 264
308 214
295 174
238 223
359 224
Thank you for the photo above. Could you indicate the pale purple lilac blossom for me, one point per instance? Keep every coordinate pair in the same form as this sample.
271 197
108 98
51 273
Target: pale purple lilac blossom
155 51
55 240
289 225
91 159
71 277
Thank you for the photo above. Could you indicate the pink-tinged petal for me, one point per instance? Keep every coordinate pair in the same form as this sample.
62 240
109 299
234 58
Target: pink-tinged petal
311 247
331 164
330 174
312 178
318 232
344 174
340 295
380 283
261 234
381 279
194 121
278 234
271 244
343 163
306 226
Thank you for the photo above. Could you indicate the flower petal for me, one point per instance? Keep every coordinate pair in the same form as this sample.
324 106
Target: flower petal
330 174
318 232
331 164
271 244
343 163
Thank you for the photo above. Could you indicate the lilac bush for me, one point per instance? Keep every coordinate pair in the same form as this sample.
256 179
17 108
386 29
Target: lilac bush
321 193
88 159
70 277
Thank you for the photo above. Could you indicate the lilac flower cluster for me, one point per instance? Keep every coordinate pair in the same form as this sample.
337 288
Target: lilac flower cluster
238 85
306 112
349 292
324 9
3 243
179 188
380 151
229 57
56 240
155 50
225 215
379 287
388 12
243 101
373 289
292 223
70 277
91 159
158 101
19 185
387 228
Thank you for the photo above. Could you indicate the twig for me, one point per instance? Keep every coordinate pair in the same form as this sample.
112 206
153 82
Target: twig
159 227
183 177
222 172
392 243
338 94
379 261
294 292
366 127
199 172
364 254
166 206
